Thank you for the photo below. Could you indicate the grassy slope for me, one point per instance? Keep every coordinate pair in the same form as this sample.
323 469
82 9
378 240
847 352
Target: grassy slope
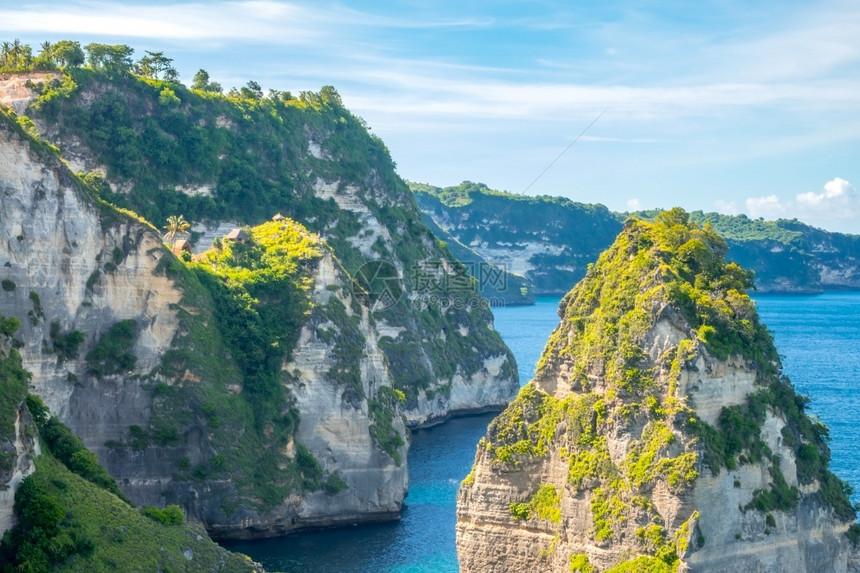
120 537
101 531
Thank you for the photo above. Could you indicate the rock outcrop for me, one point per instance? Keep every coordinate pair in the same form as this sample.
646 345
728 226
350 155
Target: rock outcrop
658 433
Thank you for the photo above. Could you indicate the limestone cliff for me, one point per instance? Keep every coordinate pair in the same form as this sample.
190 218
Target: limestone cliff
127 346
18 446
241 159
658 433
267 386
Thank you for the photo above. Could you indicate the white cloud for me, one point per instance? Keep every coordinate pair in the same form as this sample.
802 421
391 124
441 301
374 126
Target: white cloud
273 21
768 207
838 200
726 207
634 204
836 203
246 20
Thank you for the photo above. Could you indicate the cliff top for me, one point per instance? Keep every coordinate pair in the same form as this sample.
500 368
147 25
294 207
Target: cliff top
672 263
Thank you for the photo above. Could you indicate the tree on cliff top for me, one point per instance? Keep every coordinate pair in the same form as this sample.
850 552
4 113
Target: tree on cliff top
176 226
155 63
111 58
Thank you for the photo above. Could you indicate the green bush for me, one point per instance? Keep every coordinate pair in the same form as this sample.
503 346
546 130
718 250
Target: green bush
9 326
335 484
8 285
520 511
13 382
65 345
37 313
170 515
113 354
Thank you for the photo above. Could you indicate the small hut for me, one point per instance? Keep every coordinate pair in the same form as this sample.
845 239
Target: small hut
278 217
180 246
237 236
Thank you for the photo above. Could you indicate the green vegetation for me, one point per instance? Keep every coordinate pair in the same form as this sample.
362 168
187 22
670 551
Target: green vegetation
257 155
170 515
580 231
65 345
494 282
642 564
335 484
382 411
112 354
607 512
579 564
37 313
244 304
528 425
588 466
156 134
738 440
70 450
68 524
250 301
13 382
8 285
785 254
673 261
73 517
648 459
544 504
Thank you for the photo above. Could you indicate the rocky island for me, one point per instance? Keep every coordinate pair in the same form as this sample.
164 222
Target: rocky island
659 433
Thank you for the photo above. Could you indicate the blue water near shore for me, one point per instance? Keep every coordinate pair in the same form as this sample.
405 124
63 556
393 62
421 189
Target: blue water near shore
818 338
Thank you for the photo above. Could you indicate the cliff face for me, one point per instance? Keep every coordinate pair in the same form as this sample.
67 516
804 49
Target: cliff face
658 433
59 509
22 465
224 160
548 240
551 240
168 410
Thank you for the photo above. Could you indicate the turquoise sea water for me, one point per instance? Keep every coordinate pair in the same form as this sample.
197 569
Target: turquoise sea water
818 338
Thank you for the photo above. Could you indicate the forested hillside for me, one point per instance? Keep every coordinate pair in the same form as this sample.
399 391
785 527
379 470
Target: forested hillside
551 240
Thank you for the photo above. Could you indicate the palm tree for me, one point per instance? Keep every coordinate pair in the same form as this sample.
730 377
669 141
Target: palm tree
5 50
176 226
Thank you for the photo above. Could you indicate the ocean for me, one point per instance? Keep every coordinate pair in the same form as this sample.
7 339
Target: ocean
818 338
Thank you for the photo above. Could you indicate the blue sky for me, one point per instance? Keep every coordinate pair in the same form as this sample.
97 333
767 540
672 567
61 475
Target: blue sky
741 107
